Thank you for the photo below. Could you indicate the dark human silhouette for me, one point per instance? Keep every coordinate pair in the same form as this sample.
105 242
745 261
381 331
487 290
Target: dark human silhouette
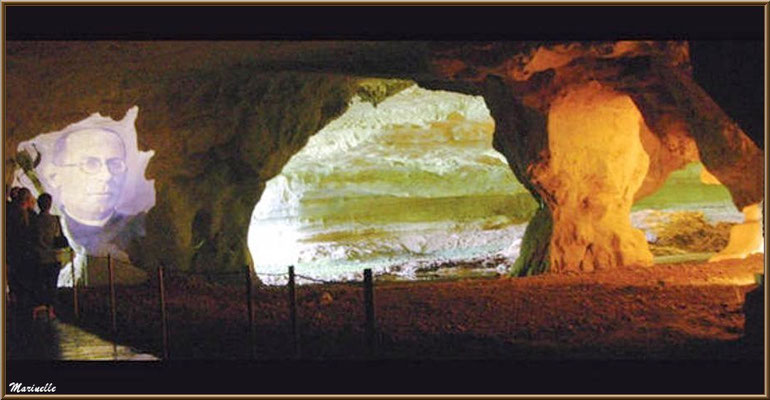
19 257
11 193
47 239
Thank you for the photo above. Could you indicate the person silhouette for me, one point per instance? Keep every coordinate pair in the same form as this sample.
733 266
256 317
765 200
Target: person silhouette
19 256
46 231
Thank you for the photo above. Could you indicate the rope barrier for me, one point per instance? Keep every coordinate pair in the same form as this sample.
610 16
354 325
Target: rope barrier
296 275
113 260
313 279
165 335
207 274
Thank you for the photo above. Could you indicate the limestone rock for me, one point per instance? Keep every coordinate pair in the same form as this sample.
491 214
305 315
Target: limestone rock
597 163
679 124
745 238
219 129
224 117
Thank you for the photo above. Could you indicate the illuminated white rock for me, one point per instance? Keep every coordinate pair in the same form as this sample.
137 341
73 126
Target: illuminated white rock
414 179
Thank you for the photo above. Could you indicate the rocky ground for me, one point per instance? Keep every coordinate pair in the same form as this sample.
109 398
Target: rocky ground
669 311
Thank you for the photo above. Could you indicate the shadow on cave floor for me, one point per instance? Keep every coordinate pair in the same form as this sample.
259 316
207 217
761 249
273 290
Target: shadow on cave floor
31 339
54 339
673 312
61 341
60 338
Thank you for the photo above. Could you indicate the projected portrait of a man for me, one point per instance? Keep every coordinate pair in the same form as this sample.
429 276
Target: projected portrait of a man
91 166
96 174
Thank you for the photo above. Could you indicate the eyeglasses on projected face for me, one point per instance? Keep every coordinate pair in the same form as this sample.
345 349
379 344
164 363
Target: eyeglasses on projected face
92 165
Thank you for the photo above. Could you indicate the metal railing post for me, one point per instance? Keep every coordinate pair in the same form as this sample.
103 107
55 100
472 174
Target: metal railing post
250 308
163 317
293 311
113 306
75 308
370 328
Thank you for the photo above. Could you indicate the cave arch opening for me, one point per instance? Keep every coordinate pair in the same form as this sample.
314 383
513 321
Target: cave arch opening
692 216
413 188
402 187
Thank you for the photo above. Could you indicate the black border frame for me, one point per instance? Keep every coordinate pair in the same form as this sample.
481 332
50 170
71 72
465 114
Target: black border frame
387 21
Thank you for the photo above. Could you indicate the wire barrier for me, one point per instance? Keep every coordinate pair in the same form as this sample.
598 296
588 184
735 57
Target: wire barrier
99 261
164 335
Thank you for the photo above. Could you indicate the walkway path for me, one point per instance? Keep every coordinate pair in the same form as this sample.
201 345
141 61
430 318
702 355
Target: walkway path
63 341
77 344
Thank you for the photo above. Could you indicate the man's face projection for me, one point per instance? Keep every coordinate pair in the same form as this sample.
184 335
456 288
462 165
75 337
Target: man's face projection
92 172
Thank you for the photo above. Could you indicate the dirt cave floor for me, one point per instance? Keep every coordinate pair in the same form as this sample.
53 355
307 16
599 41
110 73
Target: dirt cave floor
668 311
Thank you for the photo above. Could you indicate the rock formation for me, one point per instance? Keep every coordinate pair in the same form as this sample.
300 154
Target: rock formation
224 117
219 130
526 92
745 238
597 163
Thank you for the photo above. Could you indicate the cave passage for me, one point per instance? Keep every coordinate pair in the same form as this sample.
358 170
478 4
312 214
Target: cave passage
412 188
687 219
413 184
265 101
401 187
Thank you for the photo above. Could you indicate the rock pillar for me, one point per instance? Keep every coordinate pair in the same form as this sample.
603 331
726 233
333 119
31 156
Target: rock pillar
586 176
596 165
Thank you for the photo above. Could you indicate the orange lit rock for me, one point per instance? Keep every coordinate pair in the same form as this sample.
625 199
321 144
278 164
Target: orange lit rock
681 124
723 148
657 76
745 238
596 165
584 160
708 178
668 152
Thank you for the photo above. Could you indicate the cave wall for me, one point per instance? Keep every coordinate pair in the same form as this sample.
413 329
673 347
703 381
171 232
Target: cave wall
257 123
224 117
219 130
